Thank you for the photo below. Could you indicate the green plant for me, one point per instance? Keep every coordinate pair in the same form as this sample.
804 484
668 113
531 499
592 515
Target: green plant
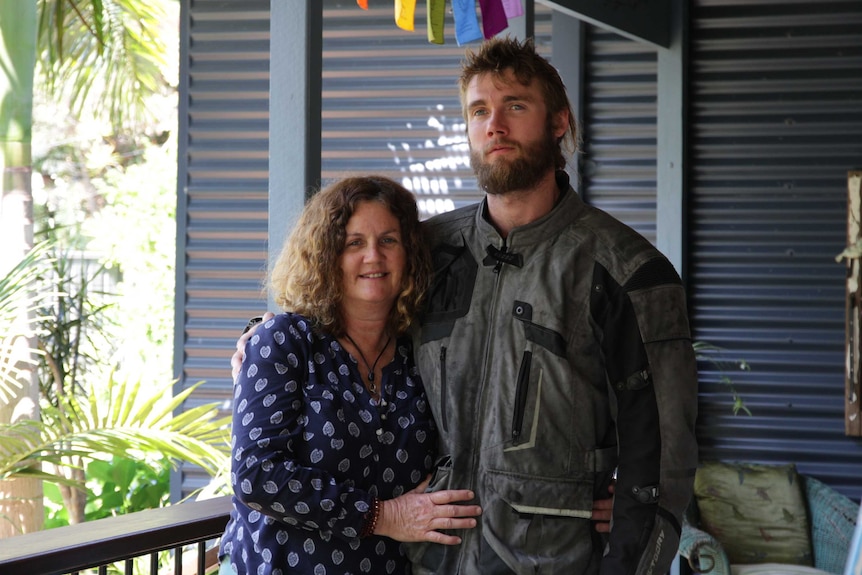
126 419
105 60
19 299
103 54
117 486
705 351
75 351
72 324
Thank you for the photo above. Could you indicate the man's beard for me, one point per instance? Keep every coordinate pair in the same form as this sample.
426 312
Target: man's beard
523 173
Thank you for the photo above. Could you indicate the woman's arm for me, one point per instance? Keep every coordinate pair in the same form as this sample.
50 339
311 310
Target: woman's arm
273 466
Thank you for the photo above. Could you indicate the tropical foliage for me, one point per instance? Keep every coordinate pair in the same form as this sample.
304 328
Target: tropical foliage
117 486
105 55
18 301
73 343
120 420
104 78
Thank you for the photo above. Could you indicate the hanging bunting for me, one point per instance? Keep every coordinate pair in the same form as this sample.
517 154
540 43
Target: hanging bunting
436 18
466 24
513 8
494 18
405 11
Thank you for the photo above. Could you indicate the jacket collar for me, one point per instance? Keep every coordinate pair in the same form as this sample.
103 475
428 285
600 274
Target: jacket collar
568 208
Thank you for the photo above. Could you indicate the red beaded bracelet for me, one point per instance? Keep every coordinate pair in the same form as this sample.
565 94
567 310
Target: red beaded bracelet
371 517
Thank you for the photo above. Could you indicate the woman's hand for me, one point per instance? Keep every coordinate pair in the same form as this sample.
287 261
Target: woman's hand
239 354
417 516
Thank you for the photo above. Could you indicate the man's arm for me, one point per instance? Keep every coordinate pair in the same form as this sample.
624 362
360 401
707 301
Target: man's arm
652 371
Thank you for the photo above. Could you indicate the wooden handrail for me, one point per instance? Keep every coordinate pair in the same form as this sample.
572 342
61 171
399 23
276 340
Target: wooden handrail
104 541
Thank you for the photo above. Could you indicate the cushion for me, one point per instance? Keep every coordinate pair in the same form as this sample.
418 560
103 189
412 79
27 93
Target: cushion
757 511
854 555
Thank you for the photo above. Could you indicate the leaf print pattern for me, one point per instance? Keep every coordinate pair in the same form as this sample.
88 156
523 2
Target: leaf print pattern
310 450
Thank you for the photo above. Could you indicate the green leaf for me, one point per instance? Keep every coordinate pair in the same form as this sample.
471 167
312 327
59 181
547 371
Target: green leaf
70 430
20 297
103 55
708 352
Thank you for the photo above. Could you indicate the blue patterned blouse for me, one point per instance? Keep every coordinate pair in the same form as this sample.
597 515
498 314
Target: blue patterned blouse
310 450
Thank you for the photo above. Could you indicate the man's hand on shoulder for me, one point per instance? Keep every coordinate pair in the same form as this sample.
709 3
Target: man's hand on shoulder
239 354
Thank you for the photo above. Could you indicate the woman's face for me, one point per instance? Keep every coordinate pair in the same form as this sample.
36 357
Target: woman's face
374 259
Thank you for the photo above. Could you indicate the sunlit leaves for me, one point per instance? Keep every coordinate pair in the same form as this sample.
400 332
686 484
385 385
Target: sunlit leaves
127 417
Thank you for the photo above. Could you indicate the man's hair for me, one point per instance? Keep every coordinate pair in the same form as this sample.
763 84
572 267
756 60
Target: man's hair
497 55
307 277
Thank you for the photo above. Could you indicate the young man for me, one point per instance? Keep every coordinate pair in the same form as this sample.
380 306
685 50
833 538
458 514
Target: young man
555 349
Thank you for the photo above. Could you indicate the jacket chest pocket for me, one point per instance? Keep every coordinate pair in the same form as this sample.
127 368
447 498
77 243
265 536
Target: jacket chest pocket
451 291
528 386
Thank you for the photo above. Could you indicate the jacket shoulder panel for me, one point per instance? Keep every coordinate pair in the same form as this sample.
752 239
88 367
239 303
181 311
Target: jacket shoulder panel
621 250
443 226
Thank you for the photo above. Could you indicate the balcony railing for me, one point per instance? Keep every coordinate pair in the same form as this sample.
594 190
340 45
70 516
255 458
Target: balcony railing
188 531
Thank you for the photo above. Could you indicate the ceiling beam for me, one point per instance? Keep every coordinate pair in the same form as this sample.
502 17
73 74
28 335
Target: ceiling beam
642 20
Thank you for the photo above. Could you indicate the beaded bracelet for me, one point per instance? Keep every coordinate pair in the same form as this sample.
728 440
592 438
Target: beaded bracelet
371 517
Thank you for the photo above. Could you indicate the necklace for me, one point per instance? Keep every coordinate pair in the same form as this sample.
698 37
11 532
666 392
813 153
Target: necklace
372 386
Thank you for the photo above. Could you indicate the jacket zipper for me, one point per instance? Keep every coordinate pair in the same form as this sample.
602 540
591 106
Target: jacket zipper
443 418
521 396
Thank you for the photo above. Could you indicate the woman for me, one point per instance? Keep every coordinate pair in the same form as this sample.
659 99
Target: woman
332 437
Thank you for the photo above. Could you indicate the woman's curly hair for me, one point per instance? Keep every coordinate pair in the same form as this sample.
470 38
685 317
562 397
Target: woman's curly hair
307 279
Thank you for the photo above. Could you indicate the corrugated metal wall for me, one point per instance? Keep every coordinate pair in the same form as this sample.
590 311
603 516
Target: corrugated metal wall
618 163
776 92
222 190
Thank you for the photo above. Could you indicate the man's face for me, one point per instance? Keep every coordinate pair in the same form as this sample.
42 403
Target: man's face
513 139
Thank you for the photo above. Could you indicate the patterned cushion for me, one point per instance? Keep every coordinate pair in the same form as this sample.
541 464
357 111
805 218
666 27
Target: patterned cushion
757 511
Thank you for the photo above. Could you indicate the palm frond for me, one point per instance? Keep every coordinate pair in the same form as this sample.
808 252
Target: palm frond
17 285
19 299
127 419
104 55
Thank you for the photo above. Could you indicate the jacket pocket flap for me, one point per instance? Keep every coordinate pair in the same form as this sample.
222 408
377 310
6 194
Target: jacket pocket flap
542 495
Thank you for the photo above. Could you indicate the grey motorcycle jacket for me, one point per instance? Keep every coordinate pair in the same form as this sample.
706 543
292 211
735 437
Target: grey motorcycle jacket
552 360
